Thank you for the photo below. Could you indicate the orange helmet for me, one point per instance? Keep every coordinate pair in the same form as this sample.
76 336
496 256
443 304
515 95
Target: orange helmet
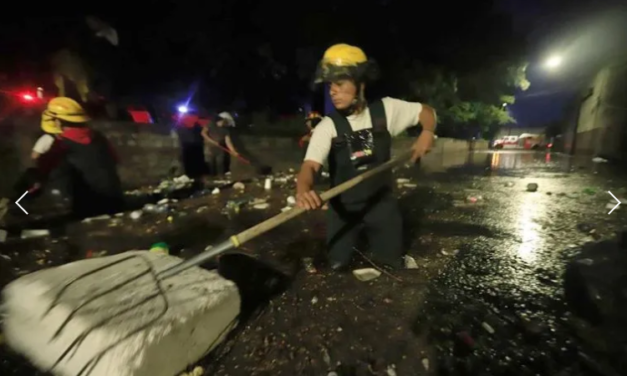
313 118
313 115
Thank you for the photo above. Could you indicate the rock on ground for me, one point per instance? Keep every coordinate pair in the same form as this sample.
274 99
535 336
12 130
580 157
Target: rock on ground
136 330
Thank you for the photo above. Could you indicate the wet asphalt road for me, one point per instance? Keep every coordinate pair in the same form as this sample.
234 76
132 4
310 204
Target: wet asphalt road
486 299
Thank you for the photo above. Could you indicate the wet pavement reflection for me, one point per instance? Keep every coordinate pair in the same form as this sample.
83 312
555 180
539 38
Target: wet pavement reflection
492 234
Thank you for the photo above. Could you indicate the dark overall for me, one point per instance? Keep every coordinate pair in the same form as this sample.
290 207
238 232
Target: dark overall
95 186
369 205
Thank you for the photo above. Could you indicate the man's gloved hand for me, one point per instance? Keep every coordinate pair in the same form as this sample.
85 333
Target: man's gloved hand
309 200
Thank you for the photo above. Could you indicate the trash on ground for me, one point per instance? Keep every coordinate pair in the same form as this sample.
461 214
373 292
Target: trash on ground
599 160
98 218
402 181
160 247
314 300
3 235
291 200
509 184
258 201
410 185
263 206
410 262
239 186
308 263
425 363
391 371
366 274
136 214
119 215
215 191
267 184
487 327
287 208
532 187
589 191
611 205
26 234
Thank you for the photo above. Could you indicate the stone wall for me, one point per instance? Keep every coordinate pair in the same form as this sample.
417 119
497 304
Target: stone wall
602 117
151 152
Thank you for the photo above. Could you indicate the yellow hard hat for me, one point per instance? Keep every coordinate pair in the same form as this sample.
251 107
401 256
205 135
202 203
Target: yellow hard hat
344 61
67 109
344 55
49 125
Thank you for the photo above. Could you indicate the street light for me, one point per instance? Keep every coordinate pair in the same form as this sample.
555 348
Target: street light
554 62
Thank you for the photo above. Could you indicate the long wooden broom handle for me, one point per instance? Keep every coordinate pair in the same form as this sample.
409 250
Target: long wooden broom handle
267 225
281 218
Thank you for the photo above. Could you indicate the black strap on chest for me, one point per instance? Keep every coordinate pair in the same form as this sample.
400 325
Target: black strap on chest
377 116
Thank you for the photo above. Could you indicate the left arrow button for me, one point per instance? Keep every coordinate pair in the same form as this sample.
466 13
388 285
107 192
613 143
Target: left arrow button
18 202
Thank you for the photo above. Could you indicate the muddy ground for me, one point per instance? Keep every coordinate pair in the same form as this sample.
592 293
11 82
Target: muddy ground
487 297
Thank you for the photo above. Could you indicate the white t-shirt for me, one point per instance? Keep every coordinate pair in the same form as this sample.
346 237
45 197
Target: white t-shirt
400 115
43 144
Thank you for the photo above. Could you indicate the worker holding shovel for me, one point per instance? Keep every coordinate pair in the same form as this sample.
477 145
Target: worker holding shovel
221 146
355 138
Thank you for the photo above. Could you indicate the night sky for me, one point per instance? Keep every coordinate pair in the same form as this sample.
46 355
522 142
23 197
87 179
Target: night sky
585 33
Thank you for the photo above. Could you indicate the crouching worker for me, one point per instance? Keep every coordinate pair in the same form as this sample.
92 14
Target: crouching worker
86 158
357 137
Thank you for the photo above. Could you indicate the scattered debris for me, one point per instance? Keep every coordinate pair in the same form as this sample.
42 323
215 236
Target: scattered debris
215 191
532 187
586 261
487 327
160 247
263 206
98 218
291 200
26 234
410 185
136 214
366 274
401 181
3 235
425 364
267 184
308 264
410 262
391 371
599 160
239 186
314 300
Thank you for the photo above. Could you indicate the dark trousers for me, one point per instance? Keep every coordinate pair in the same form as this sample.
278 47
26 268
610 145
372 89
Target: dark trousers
382 222
219 162
193 156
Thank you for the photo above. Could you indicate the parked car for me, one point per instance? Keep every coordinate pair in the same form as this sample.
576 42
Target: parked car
506 142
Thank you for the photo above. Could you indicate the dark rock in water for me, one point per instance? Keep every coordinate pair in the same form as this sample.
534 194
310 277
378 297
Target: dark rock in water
585 227
593 281
532 187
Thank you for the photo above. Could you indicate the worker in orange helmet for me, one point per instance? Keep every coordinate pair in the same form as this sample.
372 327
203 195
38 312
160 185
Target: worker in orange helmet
311 120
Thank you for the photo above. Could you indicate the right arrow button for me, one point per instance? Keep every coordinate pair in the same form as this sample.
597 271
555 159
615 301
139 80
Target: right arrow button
617 200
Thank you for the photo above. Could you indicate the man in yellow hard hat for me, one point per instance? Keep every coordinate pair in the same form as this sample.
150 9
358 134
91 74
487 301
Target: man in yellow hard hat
85 155
356 137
